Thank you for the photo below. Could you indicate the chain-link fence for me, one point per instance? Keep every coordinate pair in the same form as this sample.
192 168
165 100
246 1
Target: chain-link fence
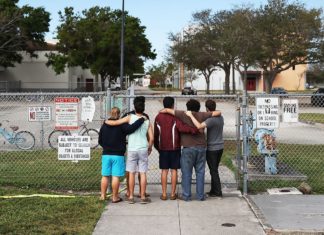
227 104
292 153
289 155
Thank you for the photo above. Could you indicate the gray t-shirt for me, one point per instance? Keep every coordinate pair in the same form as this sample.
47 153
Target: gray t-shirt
215 133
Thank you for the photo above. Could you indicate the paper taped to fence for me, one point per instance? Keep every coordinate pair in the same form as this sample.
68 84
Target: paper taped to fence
290 110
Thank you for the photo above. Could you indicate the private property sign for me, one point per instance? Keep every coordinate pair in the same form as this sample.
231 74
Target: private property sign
66 113
267 112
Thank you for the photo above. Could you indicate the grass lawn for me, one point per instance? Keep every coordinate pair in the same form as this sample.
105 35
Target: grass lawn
312 117
41 169
38 215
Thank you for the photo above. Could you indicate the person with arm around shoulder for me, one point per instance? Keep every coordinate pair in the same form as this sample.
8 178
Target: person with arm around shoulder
215 146
113 151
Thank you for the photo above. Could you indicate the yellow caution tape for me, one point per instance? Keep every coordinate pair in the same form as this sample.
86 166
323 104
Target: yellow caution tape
38 195
48 195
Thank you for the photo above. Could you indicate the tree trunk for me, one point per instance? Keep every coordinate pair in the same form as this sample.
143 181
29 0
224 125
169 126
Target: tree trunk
103 78
233 80
227 70
208 84
269 77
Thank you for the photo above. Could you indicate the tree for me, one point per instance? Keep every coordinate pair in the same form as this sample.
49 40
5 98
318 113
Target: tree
191 75
289 35
92 40
315 74
21 29
193 48
161 72
244 40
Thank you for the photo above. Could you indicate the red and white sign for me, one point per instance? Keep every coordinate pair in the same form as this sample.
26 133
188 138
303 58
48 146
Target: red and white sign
66 113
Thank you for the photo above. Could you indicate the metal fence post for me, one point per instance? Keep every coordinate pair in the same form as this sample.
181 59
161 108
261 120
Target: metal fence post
42 130
108 103
245 142
238 137
131 92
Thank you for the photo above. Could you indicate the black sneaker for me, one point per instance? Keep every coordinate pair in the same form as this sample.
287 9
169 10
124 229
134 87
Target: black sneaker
214 195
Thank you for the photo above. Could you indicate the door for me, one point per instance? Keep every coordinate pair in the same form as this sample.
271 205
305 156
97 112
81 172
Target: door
251 84
89 85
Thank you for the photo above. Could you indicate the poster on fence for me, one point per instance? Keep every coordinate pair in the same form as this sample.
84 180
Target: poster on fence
39 113
267 110
74 148
66 113
290 110
88 108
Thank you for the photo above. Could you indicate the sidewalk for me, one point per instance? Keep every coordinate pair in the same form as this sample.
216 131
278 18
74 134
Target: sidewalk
229 215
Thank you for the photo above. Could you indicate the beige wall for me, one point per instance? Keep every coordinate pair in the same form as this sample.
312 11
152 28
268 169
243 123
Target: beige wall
291 80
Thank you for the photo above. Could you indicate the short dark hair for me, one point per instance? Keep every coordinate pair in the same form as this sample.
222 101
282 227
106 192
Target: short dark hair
139 107
139 99
168 102
193 105
210 105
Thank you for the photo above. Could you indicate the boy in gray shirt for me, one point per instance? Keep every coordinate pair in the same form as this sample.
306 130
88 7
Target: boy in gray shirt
215 146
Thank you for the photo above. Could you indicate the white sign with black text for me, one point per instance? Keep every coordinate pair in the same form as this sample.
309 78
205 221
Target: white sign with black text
290 111
74 148
267 112
88 108
39 114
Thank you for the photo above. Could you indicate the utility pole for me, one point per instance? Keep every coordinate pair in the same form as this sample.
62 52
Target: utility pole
122 48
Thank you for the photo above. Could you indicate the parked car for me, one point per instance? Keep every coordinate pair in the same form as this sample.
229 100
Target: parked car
189 91
115 86
278 90
317 99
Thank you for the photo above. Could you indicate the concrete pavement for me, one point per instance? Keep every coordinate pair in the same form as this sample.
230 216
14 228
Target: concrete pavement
229 215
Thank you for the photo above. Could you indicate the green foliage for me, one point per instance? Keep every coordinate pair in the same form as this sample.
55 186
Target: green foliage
315 74
289 35
21 29
161 72
275 37
92 40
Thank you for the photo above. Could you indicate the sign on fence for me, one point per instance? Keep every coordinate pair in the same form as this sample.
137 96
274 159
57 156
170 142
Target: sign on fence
39 113
74 148
66 113
267 112
290 111
88 108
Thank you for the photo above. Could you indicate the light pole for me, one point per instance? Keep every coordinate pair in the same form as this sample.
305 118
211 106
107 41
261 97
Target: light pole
122 48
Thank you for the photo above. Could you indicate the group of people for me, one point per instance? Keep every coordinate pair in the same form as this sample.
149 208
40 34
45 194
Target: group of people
180 139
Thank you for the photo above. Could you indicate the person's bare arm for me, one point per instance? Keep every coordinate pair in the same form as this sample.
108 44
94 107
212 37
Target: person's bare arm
118 122
150 138
195 122
167 110
216 113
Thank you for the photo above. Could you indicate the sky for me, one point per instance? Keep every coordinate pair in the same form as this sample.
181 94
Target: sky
160 17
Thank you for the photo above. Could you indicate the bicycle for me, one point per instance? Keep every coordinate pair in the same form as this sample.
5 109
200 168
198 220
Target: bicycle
93 133
23 139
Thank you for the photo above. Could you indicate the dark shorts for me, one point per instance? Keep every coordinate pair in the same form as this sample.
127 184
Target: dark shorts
170 159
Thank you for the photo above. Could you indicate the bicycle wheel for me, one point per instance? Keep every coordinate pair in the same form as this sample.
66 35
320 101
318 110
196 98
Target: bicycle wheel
94 137
24 140
53 138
